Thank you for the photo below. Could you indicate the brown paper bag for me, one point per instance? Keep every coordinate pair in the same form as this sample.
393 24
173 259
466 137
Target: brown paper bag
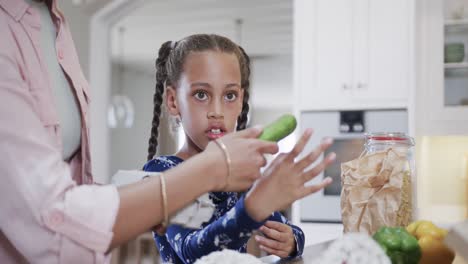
376 191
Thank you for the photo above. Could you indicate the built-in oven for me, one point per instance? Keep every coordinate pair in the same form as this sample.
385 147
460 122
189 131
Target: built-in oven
347 128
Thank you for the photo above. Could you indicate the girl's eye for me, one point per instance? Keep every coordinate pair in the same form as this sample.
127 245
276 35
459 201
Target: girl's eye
201 95
230 97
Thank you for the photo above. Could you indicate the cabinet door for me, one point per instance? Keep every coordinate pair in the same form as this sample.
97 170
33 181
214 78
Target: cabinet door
382 67
434 114
333 52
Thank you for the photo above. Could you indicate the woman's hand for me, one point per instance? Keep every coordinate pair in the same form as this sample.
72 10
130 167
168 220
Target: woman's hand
279 239
283 181
246 154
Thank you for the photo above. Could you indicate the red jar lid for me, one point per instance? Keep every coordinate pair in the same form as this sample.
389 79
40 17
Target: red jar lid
387 138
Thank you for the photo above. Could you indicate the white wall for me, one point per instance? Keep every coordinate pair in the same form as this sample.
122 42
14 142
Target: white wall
128 146
271 82
272 93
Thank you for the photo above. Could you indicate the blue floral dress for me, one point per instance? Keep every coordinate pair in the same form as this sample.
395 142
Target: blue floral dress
230 227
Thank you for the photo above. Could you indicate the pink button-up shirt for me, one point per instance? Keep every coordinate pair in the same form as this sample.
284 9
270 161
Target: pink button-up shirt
49 210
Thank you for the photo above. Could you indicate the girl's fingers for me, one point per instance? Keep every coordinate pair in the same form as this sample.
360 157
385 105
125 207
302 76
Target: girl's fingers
279 253
313 156
307 190
278 226
309 175
262 161
272 233
270 243
301 143
265 147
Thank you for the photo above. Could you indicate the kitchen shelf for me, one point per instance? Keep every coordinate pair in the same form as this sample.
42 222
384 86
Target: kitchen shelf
456 26
458 107
462 22
461 65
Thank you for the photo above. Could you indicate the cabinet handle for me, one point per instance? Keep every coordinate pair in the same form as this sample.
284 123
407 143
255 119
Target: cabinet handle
345 87
361 85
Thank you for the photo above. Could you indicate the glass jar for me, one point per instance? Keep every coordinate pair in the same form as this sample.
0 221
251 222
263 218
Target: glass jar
402 144
399 142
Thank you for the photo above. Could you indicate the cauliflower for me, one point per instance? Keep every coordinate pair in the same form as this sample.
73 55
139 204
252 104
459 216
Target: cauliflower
354 248
228 256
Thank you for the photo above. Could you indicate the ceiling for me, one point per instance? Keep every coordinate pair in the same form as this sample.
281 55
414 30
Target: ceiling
266 29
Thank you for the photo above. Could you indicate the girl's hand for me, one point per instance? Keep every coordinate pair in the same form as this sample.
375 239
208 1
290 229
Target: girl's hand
279 239
283 181
246 154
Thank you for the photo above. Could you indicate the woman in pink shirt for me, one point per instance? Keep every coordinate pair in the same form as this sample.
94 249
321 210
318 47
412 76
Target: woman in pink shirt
50 211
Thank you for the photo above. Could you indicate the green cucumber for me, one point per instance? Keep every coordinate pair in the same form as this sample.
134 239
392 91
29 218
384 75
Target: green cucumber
279 129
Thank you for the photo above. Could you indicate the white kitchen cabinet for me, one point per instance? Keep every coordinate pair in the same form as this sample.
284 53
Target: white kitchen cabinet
331 83
441 96
352 53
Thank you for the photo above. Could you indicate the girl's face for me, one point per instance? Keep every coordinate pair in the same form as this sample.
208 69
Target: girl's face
208 98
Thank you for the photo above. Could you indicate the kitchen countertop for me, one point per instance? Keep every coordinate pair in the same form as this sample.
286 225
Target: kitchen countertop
313 252
310 255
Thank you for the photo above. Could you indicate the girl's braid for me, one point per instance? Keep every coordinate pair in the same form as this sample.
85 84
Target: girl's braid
161 78
245 83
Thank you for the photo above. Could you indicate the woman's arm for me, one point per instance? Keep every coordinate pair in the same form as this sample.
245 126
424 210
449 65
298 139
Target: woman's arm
141 203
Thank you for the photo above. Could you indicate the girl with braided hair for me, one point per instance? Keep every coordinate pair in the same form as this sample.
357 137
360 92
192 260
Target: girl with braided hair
205 81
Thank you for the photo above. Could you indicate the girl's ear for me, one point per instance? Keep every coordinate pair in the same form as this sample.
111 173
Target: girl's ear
171 101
